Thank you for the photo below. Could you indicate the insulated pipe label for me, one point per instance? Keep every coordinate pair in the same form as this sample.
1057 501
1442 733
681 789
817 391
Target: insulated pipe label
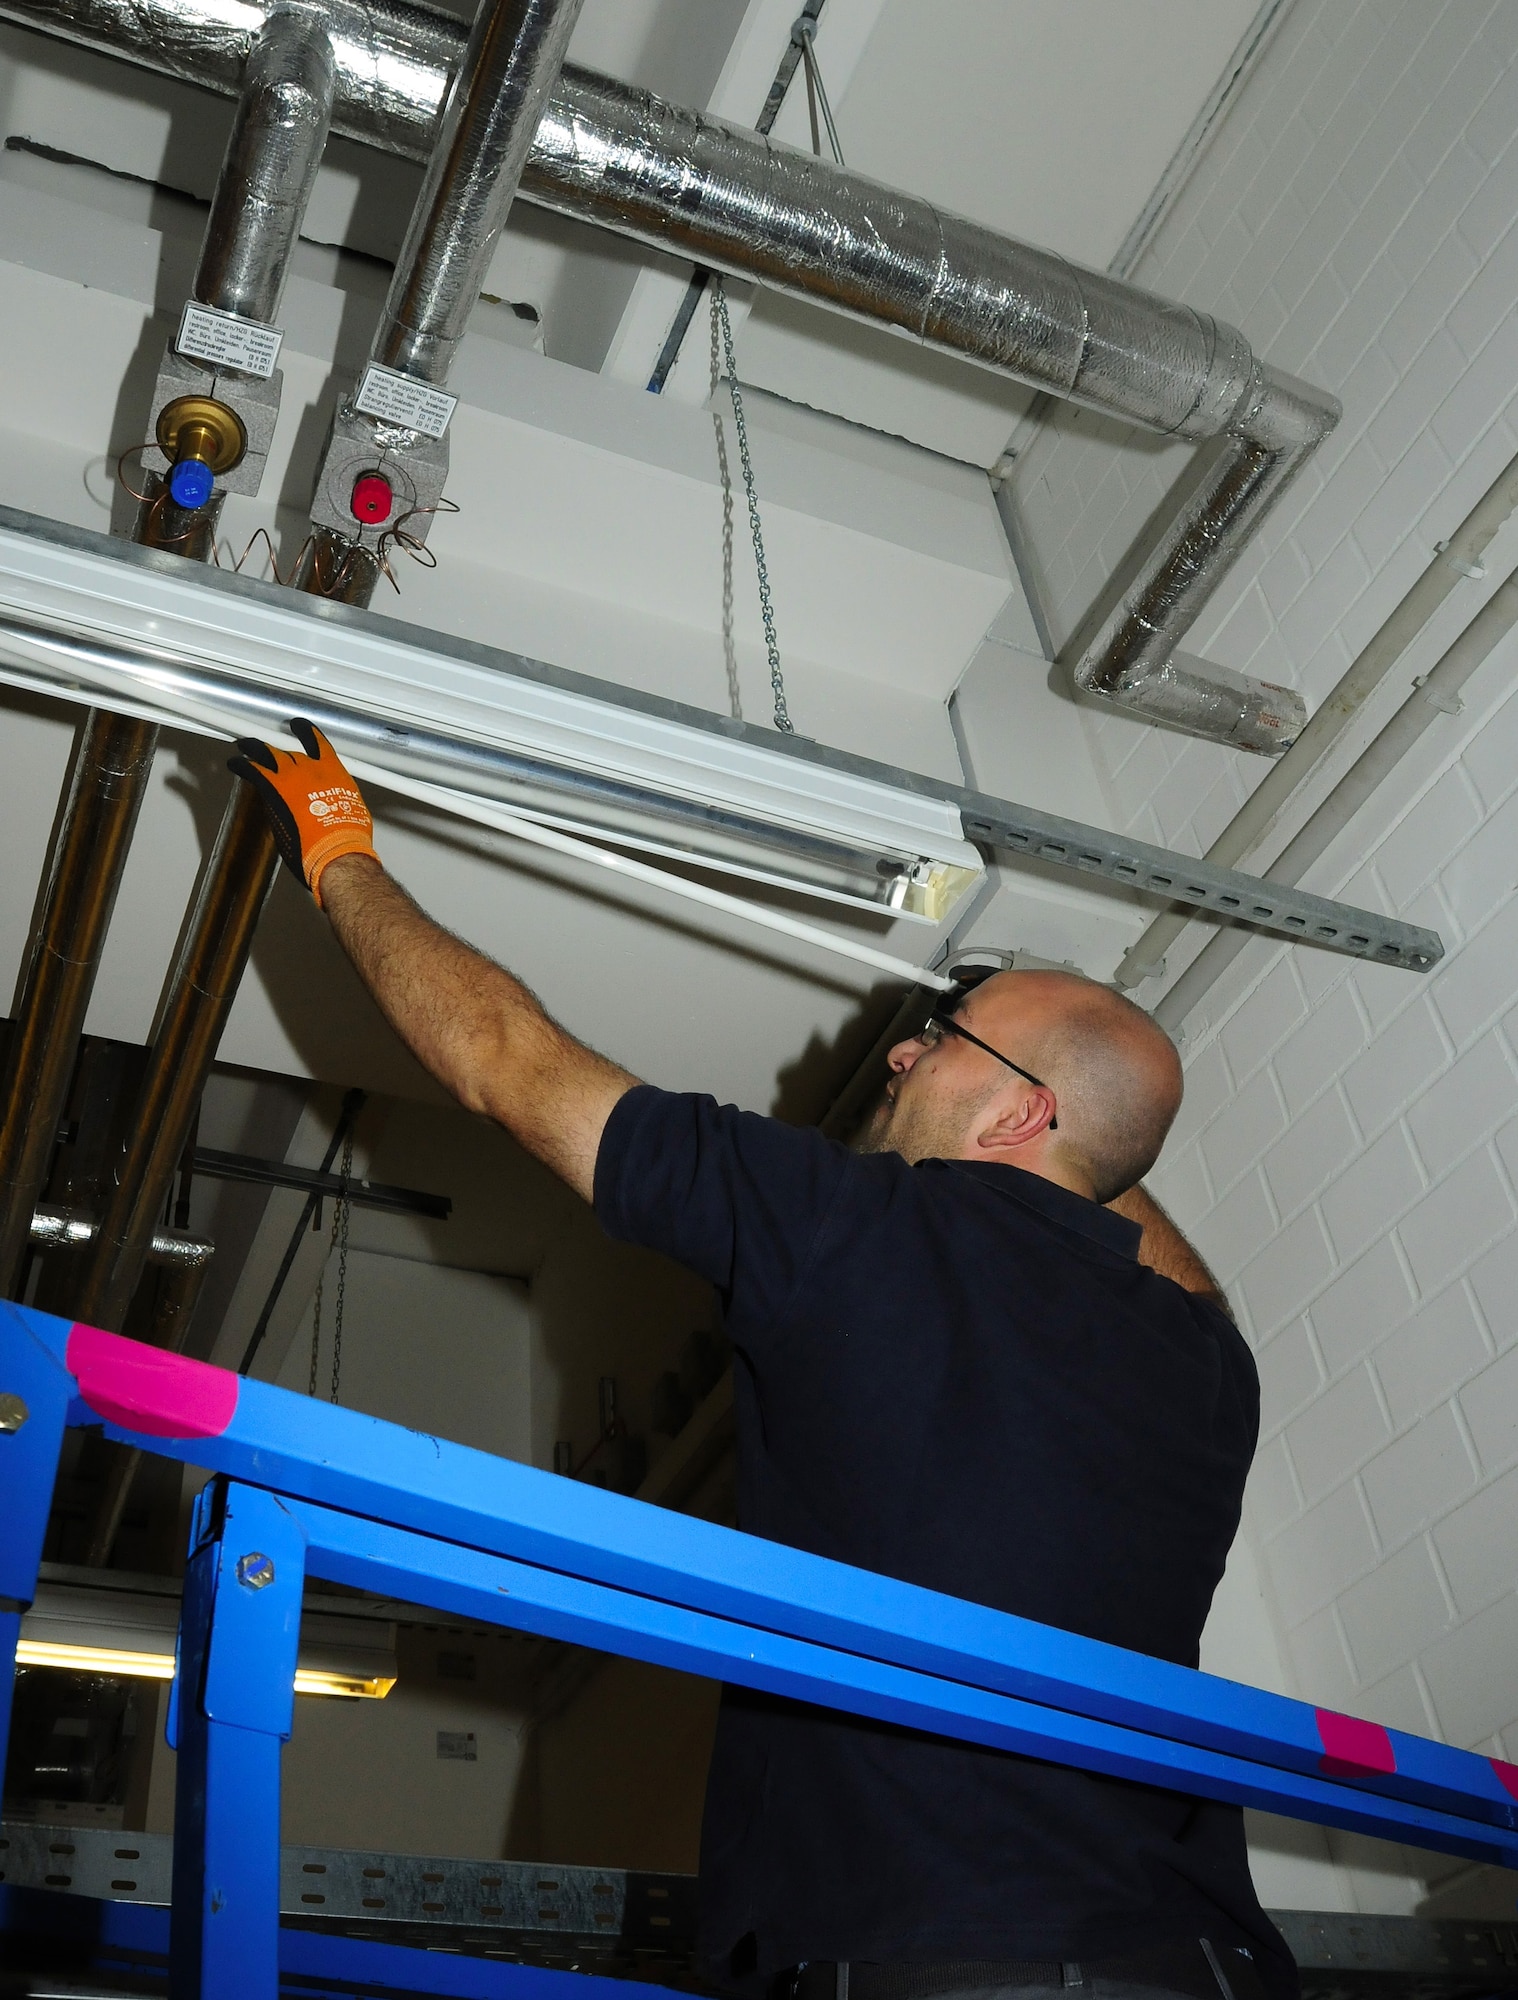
397 399
227 341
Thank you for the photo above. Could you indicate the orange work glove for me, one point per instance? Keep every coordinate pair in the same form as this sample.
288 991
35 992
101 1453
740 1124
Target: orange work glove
315 809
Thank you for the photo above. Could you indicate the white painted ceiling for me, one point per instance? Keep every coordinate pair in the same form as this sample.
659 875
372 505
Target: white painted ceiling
590 530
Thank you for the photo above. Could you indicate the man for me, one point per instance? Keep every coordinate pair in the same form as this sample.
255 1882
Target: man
972 1354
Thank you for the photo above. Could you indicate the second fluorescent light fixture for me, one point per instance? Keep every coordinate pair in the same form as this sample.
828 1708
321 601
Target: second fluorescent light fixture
634 771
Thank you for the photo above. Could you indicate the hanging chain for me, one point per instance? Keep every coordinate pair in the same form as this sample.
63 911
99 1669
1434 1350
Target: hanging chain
338 1241
771 643
725 475
316 1308
340 1229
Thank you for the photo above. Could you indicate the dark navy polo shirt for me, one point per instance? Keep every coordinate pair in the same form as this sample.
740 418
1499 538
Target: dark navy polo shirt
957 1374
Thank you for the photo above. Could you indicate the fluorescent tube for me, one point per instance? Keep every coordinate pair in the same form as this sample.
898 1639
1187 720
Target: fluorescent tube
124 1660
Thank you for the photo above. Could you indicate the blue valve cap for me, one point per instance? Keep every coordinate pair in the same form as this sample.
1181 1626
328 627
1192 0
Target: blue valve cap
190 482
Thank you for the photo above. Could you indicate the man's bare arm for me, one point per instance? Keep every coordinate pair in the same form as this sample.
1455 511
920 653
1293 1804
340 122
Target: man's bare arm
1164 1249
479 1031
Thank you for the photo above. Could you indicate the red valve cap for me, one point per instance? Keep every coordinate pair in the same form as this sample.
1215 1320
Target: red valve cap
372 498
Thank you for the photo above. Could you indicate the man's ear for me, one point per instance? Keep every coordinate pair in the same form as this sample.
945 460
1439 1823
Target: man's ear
1024 1113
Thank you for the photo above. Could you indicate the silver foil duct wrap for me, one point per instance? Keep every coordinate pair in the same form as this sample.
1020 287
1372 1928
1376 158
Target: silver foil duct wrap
614 155
617 157
392 62
1126 651
270 166
55 1228
515 53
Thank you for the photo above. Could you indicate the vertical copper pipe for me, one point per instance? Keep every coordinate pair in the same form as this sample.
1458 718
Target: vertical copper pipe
104 790
332 566
183 531
194 1009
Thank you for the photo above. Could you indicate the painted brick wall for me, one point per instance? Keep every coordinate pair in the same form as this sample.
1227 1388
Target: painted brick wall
1348 1152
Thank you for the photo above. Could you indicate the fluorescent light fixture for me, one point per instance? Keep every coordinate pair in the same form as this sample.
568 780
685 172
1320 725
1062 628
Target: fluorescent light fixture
105 1622
132 1665
95 1659
556 747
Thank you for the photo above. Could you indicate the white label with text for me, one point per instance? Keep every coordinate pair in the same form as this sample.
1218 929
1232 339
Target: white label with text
227 341
396 399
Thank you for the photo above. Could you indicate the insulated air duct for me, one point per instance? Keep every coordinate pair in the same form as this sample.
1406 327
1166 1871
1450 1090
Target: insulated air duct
618 157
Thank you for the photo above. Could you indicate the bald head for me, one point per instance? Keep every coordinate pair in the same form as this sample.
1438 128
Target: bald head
1109 1084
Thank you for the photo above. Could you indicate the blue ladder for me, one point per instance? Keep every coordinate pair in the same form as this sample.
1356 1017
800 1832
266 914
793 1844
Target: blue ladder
305 1487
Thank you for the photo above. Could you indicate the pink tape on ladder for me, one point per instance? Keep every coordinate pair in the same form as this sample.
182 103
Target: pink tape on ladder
1354 1748
143 1389
1506 1775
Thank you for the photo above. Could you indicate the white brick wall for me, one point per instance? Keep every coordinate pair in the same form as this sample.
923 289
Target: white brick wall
1348 1153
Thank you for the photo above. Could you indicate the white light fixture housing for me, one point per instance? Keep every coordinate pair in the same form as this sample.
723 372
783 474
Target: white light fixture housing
106 1622
572 752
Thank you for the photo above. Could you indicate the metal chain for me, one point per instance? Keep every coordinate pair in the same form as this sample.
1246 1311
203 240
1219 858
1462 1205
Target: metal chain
771 642
316 1319
338 1241
340 1229
725 475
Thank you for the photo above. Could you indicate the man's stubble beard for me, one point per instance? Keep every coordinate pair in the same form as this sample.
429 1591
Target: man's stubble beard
918 1128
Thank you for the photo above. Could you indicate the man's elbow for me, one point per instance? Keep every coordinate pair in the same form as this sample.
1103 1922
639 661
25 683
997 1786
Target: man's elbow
478 1071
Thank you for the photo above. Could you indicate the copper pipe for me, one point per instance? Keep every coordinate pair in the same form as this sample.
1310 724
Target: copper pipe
162 523
331 566
103 794
196 1002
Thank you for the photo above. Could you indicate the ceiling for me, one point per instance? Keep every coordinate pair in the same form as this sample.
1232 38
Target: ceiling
590 530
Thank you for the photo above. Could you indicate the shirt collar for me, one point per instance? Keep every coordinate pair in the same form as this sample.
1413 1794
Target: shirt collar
1058 1204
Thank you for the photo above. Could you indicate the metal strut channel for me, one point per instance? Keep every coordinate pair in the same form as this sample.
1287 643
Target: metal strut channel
1157 871
209 1163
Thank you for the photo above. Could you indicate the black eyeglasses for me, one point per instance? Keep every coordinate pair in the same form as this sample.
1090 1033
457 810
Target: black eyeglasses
941 1022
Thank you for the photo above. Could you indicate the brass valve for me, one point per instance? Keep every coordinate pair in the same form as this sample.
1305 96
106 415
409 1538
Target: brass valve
201 438
200 427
